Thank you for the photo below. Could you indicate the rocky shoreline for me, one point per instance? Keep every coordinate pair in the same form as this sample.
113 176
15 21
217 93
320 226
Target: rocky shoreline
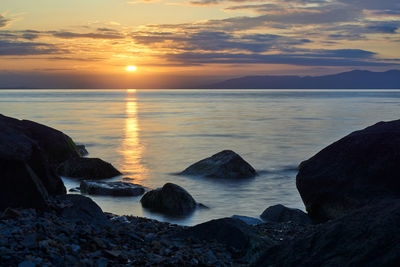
351 191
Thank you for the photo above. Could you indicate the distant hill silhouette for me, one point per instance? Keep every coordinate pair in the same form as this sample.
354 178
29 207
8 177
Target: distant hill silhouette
356 79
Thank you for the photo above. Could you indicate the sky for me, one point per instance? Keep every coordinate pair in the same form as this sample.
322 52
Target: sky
178 43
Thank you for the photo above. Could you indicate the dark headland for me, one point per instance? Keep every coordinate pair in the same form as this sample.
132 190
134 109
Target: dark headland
351 190
357 79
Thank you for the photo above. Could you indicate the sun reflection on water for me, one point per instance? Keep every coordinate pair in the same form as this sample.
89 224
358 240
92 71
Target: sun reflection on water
132 150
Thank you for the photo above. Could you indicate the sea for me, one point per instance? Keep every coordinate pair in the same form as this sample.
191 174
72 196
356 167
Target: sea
151 134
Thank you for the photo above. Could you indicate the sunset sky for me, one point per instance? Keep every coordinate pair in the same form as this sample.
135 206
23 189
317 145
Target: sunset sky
90 43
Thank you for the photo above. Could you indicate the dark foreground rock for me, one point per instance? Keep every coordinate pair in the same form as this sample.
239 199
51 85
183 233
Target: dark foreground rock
241 238
87 168
48 239
359 169
366 237
225 164
111 188
171 199
57 146
27 178
80 208
280 213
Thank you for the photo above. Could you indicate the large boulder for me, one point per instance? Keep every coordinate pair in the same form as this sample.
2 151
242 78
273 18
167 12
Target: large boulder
87 168
27 178
225 164
365 237
56 145
111 188
357 170
236 234
171 199
279 213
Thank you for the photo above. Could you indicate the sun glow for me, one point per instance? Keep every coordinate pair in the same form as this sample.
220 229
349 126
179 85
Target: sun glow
130 68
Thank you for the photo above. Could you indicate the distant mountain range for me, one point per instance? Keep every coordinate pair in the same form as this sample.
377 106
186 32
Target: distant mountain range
356 79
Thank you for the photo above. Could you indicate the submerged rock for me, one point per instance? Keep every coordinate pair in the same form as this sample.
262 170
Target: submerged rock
171 199
111 188
280 213
366 237
87 168
357 170
225 164
82 150
234 233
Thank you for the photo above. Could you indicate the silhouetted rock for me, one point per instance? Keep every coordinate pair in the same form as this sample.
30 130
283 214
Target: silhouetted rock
357 170
280 213
234 233
111 188
26 179
171 199
366 237
56 145
82 150
87 168
225 164
81 208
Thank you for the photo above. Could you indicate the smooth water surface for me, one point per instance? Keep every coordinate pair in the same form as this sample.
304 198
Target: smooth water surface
150 134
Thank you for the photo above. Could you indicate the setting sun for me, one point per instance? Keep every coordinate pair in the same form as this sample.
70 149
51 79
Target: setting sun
131 68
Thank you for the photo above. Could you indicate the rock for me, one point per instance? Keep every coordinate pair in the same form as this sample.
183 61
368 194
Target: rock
27 178
248 220
231 232
280 213
81 208
56 145
82 150
27 264
171 199
75 190
87 168
365 237
359 169
225 164
111 188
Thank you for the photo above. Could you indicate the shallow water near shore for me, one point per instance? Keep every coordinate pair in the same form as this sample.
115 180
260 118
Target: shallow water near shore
151 134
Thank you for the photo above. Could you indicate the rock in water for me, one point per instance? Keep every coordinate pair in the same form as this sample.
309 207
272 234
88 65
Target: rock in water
87 168
111 188
359 169
171 199
279 213
82 150
27 178
225 164
233 233
366 237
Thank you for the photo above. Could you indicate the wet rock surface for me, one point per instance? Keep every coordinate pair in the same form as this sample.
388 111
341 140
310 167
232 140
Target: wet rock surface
111 188
87 168
171 199
359 169
225 164
280 213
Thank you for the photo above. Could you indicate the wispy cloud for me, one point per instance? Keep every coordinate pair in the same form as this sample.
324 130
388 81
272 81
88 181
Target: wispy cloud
4 22
15 48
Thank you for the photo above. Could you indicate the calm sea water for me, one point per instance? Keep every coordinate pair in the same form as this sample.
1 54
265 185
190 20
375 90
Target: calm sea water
149 134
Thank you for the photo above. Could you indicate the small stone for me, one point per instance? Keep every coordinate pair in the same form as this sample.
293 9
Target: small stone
27 264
